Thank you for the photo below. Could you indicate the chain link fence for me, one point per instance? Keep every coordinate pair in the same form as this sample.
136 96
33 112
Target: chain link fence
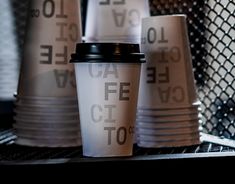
212 33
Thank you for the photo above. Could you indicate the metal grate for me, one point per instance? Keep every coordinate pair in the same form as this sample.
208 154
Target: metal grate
11 152
211 32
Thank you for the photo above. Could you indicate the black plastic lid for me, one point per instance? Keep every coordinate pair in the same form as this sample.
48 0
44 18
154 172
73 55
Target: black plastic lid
107 53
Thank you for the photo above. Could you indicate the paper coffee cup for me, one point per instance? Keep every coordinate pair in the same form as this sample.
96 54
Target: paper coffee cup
115 21
107 76
167 78
54 27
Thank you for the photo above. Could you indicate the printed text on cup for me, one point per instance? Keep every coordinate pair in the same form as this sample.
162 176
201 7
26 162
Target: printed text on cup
48 54
165 56
123 17
104 113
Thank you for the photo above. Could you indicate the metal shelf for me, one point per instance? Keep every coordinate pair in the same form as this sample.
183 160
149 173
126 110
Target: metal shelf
12 154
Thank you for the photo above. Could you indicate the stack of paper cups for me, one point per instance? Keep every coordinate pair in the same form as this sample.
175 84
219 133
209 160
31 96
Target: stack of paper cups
9 61
168 107
46 106
115 21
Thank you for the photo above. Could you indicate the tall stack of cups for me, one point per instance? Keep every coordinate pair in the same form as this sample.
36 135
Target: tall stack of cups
9 60
46 102
115 21
168 107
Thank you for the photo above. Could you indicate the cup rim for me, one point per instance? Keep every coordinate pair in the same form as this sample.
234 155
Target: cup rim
164 16
107 52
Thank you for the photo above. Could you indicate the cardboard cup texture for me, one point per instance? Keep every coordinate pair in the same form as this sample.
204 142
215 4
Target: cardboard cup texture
53 29
107 115
167 77
168 124
46 94
116 21
167 132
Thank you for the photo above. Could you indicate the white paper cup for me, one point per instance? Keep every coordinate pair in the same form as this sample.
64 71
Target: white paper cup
107 76
167 78
47 80
53 30
119 21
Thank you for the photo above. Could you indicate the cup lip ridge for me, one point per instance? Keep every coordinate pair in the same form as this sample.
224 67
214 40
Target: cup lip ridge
107 52
165 16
